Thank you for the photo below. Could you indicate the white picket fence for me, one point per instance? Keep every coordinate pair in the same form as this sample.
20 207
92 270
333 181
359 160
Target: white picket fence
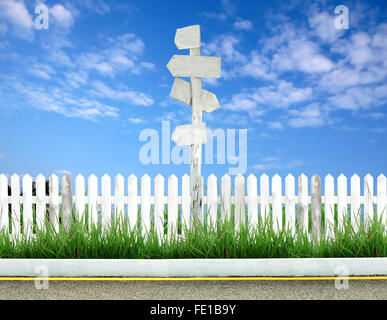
243 197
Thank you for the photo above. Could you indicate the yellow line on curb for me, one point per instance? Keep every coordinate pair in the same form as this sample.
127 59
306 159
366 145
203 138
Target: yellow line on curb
191 279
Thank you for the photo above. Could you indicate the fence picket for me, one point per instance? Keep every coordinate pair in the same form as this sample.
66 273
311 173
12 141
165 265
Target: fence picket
316 206
225 202
212 200
15 205
368 199
119 199
276 191
4 222
80 200
265 200
172 206
382 199
159 206
239 201
303 203
92 191
27 205
329 206
290 209
252 200
40 201
53 201
67 202
186 200
355 202
145 204
132 201
342 200
106 205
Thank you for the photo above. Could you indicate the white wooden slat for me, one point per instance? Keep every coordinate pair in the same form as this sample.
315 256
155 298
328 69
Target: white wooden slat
329 205
316 206
27 205
40 201
132 201
368 199
172 206
106 201
382 199
80 199
188 37
15 205
252 200
290 204
145 204
194 66
277 202
119 199
4 221
92 191
239 201
212 200
67 202
355 202
54 201
186 201
225 202
265 194
342 200
303 203
159 206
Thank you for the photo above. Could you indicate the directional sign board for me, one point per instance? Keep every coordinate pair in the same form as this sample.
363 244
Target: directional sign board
181 91
194 66
190 134
188 37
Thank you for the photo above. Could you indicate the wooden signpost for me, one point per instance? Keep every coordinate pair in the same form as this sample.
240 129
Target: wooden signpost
195 67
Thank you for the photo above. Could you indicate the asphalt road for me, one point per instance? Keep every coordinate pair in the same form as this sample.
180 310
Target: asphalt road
207 290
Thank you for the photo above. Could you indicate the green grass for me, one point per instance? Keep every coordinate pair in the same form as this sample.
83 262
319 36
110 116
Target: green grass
203 241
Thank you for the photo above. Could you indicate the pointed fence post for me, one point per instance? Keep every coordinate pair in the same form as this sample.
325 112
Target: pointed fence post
240 201
53 202
67 202
159 207
186 202
368 200
106 201
355 202
277 202
290 202
4 220
316 206
92 192
303 203
40 201
252 199
15 205
212 201
342 200
119 200
329 206
145 204
225 203
132 202
382 199
28 221
172 206
265 200
80 200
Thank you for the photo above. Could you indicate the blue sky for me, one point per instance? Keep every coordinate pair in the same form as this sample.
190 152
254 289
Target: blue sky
74 98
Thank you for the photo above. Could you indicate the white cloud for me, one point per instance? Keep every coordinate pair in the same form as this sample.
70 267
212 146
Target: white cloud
275 125
323 26
63 172
309 116
40 70
62 16
241 24
136 120
16 14
278 165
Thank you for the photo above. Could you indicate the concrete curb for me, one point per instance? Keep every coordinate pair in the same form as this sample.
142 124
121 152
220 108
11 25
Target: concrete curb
295 267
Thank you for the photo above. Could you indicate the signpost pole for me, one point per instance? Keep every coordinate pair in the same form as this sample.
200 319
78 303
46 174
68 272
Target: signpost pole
196 149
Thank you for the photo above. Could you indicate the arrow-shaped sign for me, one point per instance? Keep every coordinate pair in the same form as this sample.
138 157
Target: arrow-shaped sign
181 91
188 37
194 66
190 134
